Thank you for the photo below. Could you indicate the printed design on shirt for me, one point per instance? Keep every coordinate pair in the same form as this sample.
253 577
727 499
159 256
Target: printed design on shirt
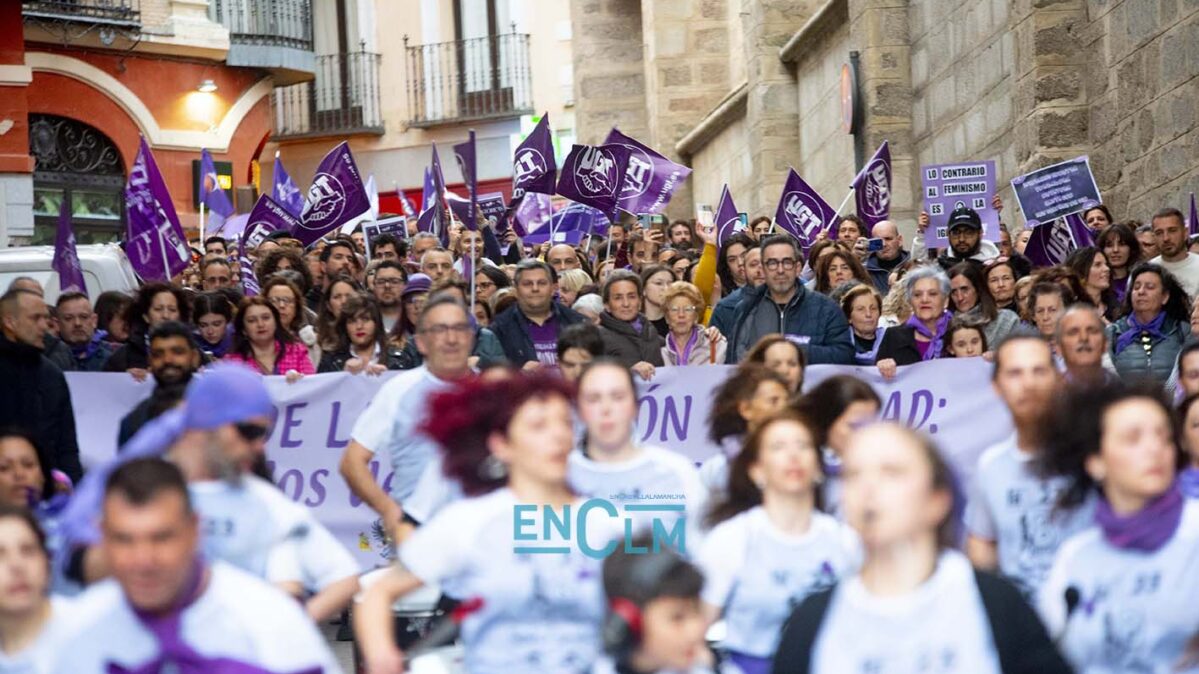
1124 641
1040 534
380 540
928 660
817 580
554 598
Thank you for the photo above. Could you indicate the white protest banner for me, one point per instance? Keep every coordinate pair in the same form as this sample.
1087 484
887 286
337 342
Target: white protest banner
952 400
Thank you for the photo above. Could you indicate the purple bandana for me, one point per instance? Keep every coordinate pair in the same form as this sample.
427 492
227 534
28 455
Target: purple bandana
1147 530
934 344
1135 328
1188 482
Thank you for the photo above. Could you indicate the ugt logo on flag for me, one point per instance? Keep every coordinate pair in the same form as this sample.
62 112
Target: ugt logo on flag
326 199
596 171
796 206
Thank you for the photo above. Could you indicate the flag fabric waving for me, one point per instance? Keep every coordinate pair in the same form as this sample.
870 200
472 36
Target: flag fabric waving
650 179
802 212
66 256
214 198
336 196
594 175
872 188
154 239
285 191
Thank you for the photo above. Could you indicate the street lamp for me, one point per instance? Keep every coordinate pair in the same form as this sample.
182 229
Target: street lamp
206 87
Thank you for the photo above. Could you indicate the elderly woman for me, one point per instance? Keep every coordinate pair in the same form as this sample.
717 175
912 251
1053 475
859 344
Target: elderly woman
863 306
686 341
570 282
1144 344
922 337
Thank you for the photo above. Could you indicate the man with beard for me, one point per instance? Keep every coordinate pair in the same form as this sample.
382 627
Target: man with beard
390 279
77 328
1081 345
966 242
174 358
1012 518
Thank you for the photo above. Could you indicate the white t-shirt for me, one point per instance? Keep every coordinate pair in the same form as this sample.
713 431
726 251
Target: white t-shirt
387 427
39 656
541 612
1136 610
255 527
759 574
238 617
1186 271
654 477
1014 507
605 665
939 628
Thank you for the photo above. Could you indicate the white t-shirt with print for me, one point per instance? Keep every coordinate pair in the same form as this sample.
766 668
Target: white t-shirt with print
1136 610
939 628
759 574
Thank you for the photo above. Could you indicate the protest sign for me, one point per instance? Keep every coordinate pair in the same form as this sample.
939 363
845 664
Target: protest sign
951 400
1056 191
947 186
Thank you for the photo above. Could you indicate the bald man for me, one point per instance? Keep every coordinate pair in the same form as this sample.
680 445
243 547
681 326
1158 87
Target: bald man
881 263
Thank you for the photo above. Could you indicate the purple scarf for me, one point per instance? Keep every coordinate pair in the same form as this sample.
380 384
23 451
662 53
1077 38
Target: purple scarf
1147 530
934 345
1188 482
684 356
173 650
222 347
89 348
1136 328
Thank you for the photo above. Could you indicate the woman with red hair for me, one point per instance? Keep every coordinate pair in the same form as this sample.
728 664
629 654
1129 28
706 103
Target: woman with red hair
507 444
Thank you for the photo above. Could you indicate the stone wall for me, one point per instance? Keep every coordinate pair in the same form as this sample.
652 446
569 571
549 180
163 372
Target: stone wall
826 153
724 159
609 68
1143 123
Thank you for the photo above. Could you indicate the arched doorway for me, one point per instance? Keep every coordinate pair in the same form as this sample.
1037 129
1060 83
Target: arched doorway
77 163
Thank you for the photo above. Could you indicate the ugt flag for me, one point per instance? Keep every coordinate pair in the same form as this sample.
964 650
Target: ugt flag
285 191
594 175
212 195
66 257
1053 241
335 197
802 212
154 238
649 180
727 217
267 216
535 212
872 188
465 154
571 225
534 168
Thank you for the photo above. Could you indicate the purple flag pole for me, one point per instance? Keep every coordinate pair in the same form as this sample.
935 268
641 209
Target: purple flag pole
1194 216
66 256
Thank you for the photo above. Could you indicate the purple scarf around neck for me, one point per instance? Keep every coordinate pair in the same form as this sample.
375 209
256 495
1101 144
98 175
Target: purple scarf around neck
935 340
167 630
1135 328
684 354
1146 530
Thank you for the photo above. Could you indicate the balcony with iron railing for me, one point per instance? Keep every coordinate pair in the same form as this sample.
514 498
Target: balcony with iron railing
272 34
343 100
71 20
466 80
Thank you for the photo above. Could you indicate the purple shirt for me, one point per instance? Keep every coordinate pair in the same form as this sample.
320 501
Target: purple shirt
922 347
545 340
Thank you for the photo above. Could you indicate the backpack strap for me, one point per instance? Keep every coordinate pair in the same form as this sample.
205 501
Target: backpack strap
992 597
798 638
1021 642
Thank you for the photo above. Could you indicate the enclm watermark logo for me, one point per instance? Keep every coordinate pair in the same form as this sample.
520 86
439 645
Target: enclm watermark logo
667 526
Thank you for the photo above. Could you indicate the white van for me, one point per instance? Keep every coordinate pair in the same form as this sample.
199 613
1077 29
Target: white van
105 267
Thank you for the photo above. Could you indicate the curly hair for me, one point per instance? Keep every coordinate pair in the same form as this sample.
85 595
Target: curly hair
269 264
462 418
822 268
741 493
1178 304
725 418
135 313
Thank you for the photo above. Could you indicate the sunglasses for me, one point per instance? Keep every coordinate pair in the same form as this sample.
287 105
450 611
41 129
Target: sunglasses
251 432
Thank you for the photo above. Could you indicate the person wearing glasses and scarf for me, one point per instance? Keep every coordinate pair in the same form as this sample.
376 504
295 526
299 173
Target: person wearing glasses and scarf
687 343
922 337
1144 344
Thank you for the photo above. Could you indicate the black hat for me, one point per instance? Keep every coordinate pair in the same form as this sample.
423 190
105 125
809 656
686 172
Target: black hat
963 216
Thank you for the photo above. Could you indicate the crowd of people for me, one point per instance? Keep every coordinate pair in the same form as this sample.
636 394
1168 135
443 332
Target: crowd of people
817 539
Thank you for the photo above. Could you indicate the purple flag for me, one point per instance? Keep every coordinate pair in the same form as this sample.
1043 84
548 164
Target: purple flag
1194 215
727 217
1053 241
154 238
212 196
66 258
465 154
594 175
427 191
285 191
535 211
405 203
802 212
571 225
267 216
650 179
441 215
872 188
335 197
533 166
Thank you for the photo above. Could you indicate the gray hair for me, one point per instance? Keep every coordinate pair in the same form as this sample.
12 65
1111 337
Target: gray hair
590 302
1078 308
921 273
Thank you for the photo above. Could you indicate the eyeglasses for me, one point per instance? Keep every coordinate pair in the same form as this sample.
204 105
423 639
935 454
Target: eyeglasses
282 301
251 432
389 281
439 331
785 263
683 310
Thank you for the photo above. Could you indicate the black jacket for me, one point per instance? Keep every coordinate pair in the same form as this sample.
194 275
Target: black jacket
512 329
808 314
35 396
899 343
161 399
627 346
1021 642
335 361
131 354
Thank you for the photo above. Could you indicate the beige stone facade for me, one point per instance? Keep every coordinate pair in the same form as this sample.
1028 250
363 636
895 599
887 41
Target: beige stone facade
1023 82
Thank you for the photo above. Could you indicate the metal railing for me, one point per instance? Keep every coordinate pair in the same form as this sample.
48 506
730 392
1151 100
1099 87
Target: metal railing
478 78
343 99
266 22
121 12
